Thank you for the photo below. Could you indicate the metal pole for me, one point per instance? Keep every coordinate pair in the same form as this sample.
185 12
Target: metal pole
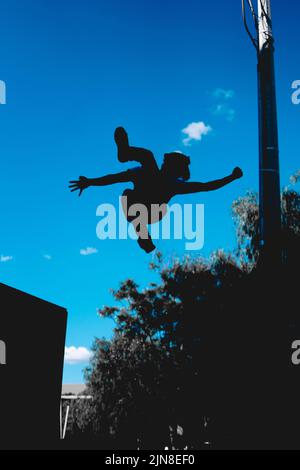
66 422
269 179
60 420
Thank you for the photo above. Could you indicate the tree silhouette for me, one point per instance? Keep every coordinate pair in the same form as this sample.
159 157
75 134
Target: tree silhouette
246 216
187 364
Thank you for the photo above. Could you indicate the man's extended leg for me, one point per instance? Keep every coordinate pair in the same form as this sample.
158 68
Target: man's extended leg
126 153
139 222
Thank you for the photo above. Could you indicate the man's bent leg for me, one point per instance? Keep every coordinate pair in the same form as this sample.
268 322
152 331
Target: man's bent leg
126 153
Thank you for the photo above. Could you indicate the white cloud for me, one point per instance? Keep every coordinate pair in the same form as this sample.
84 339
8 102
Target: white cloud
78 355
88 251
221 93
48 257
224 110
4 259
195 131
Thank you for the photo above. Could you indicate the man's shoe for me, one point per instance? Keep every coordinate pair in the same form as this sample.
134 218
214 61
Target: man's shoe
121 139
146 244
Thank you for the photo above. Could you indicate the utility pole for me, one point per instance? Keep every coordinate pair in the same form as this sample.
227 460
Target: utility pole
269 178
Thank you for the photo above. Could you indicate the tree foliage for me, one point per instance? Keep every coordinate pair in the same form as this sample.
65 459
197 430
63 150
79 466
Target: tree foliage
157 381
246 216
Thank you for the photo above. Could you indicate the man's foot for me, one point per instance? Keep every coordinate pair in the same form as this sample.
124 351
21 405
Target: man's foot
121 139
146 244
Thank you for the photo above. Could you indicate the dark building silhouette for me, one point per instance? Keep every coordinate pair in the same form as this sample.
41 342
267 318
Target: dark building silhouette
32 335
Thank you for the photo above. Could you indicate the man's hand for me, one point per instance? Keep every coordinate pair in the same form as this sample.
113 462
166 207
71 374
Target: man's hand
79 185
237 173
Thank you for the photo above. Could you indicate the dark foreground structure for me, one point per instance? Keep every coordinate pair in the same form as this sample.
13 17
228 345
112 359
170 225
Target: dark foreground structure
32 340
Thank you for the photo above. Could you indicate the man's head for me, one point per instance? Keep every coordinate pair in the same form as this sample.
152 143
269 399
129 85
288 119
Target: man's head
176 165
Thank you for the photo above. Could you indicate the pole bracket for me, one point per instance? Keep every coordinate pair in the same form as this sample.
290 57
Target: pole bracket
255 20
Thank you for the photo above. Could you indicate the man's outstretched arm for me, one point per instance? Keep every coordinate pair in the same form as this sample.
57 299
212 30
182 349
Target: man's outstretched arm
83 182
188 188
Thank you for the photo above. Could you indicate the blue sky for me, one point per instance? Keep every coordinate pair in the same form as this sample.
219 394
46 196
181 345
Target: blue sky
76 70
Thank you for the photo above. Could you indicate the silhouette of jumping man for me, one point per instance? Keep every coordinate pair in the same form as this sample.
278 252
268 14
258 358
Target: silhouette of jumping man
152 185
